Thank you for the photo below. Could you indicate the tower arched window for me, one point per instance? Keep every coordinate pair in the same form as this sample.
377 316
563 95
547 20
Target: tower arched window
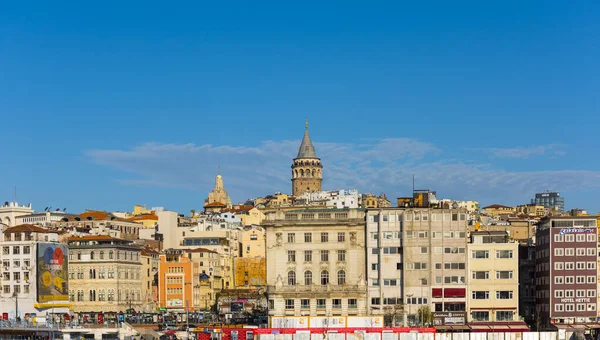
101 255
92 255
291 278
313 173
341 277
301 172
324 277
308 278
110 255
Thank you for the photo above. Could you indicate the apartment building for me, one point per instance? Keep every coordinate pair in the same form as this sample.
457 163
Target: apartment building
434 263
493 267
33 263
104 275
316 262
178 281
384 264
566 270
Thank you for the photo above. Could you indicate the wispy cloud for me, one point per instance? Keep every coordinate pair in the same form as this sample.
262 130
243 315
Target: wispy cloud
553 150
384 165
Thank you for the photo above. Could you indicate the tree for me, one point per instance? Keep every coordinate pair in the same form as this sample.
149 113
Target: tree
393 314
425 316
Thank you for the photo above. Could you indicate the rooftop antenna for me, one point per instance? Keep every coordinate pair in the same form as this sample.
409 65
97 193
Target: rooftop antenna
306 125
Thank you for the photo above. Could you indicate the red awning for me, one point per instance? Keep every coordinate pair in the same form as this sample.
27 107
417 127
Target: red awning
436 292
455 292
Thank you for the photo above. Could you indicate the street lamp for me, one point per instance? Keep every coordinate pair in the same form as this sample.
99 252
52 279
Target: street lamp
409 314
187 309
423 280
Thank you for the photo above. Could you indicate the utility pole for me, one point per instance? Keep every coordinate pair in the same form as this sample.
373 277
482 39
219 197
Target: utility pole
16 296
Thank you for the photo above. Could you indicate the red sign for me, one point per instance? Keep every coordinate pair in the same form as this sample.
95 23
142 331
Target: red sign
100 318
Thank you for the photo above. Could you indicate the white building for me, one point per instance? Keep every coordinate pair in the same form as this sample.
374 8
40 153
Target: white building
42 219
339 199
31 288
10 210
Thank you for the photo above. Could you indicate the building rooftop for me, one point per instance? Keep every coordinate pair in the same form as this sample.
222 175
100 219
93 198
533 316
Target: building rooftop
306 150
24 228
93 238
201 250
495 206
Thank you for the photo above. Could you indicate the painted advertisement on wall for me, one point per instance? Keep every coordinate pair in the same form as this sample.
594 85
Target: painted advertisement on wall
52 271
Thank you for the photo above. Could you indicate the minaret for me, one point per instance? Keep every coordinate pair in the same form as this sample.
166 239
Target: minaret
307 169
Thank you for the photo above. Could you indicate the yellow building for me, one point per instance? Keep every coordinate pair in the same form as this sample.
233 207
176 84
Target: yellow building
253 242
531 210
141 210
493 277
497 210
250 272
251 217
210 274
149 220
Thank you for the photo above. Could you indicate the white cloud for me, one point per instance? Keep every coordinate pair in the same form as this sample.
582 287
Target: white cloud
553 150
385 165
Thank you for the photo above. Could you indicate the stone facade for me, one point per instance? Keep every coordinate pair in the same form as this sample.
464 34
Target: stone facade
315 262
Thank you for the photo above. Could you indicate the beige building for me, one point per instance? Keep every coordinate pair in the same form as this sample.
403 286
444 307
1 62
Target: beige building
210 273
496 210
384 264
218 194
253 242
104 274
307 168
315 262
493 265
251 217
149 259
434 258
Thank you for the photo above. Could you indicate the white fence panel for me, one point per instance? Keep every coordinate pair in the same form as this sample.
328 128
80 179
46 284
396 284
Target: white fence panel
409 336
372 336
548 335
356 336
266 336
389 336
426 336
302 335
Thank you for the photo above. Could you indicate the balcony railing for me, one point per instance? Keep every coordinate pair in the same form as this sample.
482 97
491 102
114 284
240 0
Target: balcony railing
317 288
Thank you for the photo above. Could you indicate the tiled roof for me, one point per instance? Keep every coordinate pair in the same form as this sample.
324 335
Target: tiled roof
495 206
144 217
94 238
201 250
215 204
23 228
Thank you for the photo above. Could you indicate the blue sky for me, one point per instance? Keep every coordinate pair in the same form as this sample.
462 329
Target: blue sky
111 104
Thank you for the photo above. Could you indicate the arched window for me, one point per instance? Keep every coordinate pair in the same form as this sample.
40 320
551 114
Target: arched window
324 277
92 255
291 278
101 255
313 173
79 255
341 277
301 172
308 278
110 255
201 263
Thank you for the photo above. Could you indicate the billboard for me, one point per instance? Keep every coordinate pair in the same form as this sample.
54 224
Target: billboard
52 271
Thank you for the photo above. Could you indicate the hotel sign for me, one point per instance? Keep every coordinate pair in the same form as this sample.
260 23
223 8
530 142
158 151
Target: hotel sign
575 300
575 230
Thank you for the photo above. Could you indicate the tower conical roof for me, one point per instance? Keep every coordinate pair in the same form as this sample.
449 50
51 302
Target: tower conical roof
307 150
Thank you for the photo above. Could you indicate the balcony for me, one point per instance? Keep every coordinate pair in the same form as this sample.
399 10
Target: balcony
299 289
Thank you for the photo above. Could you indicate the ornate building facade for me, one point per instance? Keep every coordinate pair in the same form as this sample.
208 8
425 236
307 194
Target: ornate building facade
307 169
217 198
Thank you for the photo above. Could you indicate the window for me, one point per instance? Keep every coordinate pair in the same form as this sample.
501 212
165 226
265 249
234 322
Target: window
481 275
454 265
391 250
480 316
321 303
110 255
291 278
504 315
504 294
580 237
558 266
569 251
558 252
324 277
352 303
308 256
569 293
324 255
591 279
423 234
558 293
580 306
101 255
308 237
591 306
424 250
569 238
569 265
504 254
16 276
16 250
6 289
26 250
374 236
305 303
559 307
324 237
341 277
591 251
291 255
92 255
580 251
374 266
289 304
591 237
341 255
480 254
591 293
569 279
454 250
454 279
580 293
6 250
558 238
504 274
291 237
308 280
569 307
391 282
481 295
437 250
336 303
580 265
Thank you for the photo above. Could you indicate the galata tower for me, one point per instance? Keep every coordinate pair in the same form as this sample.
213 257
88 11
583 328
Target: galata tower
307 169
